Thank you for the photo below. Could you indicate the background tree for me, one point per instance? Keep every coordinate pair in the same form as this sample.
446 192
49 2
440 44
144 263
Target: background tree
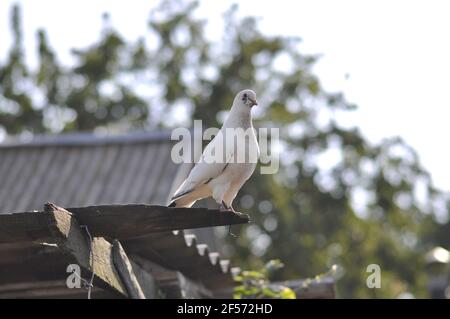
337 198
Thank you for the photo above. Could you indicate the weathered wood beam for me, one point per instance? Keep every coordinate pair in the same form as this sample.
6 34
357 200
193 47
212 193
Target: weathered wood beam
10 253
35 271
48 289
23 227
125 270
128 221
116 221
92 257
70 244
44 264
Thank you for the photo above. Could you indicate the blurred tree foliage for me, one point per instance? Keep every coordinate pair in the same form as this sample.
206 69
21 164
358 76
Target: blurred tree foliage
255 284
370 204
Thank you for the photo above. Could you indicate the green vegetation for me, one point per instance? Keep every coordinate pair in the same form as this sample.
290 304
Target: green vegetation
256 284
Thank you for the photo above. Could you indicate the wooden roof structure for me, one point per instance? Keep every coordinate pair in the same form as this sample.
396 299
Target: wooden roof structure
83 170
131 251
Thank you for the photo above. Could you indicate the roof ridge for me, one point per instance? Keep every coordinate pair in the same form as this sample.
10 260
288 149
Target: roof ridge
86 139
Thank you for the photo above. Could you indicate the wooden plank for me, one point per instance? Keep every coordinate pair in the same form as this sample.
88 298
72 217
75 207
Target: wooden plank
128 221
40 264
125 270
12 253
93 257
48 289
23 227
46 263
117 221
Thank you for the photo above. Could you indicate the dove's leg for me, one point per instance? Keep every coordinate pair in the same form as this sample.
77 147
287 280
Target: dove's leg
226 207
232 192
229 197
223 207
218 193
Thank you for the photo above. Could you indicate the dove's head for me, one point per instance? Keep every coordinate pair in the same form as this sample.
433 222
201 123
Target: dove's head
240 113
246 98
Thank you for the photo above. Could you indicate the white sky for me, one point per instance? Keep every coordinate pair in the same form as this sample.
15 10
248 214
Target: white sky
397 54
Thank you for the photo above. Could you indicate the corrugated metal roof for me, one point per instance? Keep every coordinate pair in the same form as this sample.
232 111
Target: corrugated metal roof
83 169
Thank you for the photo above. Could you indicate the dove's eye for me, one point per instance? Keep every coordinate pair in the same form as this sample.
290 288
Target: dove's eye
244 97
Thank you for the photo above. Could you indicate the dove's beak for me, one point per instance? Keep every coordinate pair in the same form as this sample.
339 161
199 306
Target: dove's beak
254 102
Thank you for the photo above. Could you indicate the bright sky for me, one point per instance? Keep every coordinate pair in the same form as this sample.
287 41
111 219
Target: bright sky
396 54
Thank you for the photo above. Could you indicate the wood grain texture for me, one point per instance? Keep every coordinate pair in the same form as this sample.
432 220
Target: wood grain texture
128 221
95 256
23 227
125 270
116 221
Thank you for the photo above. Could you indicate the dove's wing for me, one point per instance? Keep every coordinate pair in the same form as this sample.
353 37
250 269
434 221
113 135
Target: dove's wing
207 168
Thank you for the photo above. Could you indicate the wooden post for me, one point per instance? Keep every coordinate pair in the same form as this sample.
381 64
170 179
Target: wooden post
125 270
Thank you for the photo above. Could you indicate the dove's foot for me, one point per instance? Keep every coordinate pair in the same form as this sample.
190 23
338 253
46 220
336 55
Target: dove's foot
223 207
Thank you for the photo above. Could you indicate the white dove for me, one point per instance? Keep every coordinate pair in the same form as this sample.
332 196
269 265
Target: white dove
227 162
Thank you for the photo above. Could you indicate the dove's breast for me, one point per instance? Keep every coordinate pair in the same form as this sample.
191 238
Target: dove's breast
237 171
242 157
